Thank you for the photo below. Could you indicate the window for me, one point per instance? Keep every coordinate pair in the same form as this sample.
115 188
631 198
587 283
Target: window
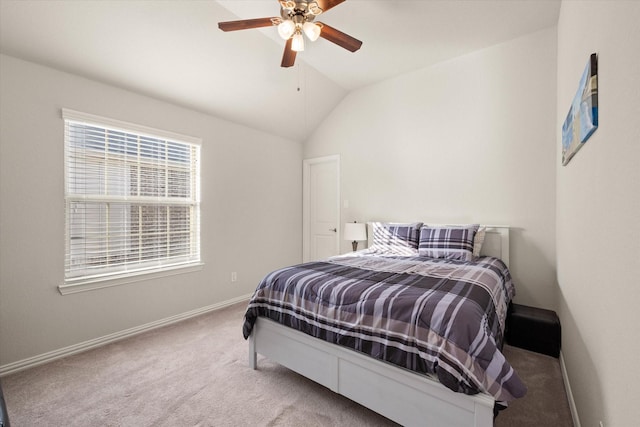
132 200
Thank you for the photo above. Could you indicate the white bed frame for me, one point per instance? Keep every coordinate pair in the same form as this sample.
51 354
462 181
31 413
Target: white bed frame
403 396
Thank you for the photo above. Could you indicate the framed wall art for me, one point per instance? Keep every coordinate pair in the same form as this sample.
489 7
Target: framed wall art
582 119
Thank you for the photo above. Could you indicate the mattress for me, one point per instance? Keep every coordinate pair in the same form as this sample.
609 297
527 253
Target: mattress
437 317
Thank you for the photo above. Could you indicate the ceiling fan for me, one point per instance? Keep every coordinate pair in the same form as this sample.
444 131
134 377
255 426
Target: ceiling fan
297 17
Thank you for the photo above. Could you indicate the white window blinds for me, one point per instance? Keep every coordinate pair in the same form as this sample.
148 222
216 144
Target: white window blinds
132 199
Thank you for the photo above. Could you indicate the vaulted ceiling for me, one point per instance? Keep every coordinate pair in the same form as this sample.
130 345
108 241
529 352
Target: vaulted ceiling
174 51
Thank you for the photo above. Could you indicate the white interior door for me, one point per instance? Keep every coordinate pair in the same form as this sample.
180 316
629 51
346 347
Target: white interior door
321 210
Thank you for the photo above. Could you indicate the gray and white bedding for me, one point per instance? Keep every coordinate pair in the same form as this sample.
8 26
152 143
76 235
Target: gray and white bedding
433 316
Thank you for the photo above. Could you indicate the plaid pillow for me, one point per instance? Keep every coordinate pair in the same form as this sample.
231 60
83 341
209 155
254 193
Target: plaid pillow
447 242
395 239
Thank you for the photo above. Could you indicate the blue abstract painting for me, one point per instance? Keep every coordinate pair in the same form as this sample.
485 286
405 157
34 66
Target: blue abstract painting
582 119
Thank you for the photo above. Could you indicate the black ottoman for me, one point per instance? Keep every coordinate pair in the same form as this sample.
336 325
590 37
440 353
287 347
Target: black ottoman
534 329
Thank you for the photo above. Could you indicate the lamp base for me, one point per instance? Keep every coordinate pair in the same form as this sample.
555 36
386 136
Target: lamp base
354 245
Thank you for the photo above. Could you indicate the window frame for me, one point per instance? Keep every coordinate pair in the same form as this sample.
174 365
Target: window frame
156 268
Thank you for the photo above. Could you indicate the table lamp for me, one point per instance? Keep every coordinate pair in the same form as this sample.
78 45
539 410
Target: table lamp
355 232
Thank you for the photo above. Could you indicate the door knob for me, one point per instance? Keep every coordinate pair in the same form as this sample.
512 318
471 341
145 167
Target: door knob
335 230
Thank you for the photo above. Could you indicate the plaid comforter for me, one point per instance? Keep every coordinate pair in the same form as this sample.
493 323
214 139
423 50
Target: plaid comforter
431 316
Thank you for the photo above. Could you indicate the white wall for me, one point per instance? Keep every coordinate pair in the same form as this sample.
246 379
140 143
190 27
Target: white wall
598 214
251 198
467 140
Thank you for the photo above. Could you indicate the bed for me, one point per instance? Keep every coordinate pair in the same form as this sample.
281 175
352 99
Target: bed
417 368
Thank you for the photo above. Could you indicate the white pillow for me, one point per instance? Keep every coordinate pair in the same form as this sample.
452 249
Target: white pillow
478 241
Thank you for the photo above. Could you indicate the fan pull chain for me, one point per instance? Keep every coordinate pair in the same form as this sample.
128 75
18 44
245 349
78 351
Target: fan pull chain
302 80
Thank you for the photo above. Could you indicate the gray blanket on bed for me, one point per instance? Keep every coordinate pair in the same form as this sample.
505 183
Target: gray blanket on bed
431 316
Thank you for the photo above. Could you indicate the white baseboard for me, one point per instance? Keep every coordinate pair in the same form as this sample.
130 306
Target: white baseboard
567 387
50 356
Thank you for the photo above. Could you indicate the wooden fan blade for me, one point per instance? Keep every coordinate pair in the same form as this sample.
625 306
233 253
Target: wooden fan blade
289 56
328 4
339 38
246 24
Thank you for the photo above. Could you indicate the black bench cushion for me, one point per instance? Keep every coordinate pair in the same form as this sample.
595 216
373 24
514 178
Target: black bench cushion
535 329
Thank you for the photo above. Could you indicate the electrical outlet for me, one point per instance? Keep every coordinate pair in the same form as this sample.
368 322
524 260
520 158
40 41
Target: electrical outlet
234 276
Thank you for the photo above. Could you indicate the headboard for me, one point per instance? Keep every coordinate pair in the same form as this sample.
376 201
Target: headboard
496 240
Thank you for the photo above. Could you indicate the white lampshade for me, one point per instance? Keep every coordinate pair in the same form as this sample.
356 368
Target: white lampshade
297 44
286 29
311 30
355 231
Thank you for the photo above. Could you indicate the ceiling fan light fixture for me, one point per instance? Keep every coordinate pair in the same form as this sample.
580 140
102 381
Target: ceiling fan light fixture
311 30
314 9
287 4
297 43
286 29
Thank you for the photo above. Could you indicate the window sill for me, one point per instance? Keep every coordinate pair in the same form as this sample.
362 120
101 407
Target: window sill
106 282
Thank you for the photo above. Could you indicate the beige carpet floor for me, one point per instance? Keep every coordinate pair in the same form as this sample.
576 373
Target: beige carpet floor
195 373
